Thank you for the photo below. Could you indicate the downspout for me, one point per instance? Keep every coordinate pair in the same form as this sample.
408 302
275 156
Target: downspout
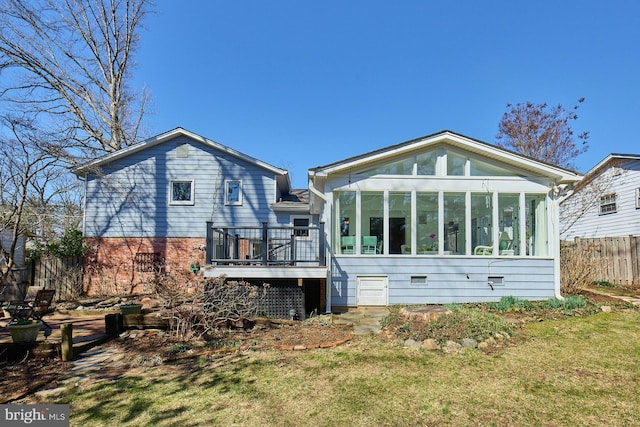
317 192
555 232
327 286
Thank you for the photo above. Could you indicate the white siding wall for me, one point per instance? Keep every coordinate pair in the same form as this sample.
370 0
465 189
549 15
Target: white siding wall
131 199
585 206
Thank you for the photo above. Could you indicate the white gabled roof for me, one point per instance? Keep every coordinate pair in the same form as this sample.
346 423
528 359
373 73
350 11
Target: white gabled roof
456 140
611 157
282 174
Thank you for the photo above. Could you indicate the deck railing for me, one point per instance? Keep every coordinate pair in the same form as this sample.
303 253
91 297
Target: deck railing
266 245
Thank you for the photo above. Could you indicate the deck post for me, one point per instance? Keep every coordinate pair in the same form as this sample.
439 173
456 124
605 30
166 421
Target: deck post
265 244
236 248
292 244
66 331
321 245
209 243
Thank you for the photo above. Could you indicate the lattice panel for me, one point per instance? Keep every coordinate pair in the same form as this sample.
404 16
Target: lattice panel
281 298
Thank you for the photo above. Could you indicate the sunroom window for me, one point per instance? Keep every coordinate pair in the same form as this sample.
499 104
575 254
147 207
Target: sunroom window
400 167
427 162
482 223
372 222
537 242
345 222
509 224
427 225
399 221
454 223
455 164
379 222
482 168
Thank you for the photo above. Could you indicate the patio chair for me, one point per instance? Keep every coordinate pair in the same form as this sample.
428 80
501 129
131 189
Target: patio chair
347 244
483 250
35 309
369 244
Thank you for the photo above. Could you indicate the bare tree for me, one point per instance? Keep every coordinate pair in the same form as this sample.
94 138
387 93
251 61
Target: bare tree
26 174
69 62
543 133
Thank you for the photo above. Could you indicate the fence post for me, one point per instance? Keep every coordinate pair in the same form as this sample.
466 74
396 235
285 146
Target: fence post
66 331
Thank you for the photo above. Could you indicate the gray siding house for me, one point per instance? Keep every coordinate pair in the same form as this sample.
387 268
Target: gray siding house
179 201
439 219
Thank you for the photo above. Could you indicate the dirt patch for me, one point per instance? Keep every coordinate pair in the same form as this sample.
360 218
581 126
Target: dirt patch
19 379
153 347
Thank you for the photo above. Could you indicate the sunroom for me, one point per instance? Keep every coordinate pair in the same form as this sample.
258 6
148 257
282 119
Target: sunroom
447 200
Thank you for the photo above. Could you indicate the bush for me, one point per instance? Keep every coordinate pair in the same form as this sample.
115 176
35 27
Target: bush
572 302
468 323
579 266
231 301
510 303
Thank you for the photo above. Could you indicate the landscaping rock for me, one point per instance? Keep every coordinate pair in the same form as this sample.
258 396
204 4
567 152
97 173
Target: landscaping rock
412 344
469 343
483 346
606 309
430 344
425 313
109 302
149 303
491 341
452 347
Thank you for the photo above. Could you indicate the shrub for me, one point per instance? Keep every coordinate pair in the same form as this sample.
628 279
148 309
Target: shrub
391 318
579 266
468 323
571 302
510 303
231 301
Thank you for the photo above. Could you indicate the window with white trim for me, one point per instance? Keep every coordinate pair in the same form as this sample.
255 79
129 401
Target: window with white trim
181 192
233 192
638 198
608 204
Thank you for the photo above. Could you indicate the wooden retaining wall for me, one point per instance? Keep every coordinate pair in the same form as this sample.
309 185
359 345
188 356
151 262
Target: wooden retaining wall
621 256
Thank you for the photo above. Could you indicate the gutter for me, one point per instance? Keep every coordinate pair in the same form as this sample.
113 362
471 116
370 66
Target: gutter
315 191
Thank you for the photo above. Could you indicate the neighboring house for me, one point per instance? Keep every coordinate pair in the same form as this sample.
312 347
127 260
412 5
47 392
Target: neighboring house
6 237
606 203
440 219
177 201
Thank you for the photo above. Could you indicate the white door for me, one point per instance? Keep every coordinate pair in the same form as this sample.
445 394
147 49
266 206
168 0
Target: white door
372 290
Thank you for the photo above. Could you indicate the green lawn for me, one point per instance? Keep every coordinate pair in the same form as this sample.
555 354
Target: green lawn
578 371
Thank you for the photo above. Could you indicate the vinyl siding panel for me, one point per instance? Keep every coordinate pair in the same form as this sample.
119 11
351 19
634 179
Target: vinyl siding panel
449 280
131 197
590 224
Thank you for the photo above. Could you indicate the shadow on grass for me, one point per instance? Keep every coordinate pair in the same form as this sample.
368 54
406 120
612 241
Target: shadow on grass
156 398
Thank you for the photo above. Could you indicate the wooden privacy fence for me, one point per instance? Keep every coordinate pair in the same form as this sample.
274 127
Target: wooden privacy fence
620 255
62 274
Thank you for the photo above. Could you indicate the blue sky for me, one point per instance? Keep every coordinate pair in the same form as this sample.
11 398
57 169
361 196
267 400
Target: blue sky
300 84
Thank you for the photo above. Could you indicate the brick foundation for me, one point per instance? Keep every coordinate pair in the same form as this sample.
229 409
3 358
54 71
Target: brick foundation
120 266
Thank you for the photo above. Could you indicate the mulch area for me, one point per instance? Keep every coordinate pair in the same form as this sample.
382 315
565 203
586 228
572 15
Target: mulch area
143 346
